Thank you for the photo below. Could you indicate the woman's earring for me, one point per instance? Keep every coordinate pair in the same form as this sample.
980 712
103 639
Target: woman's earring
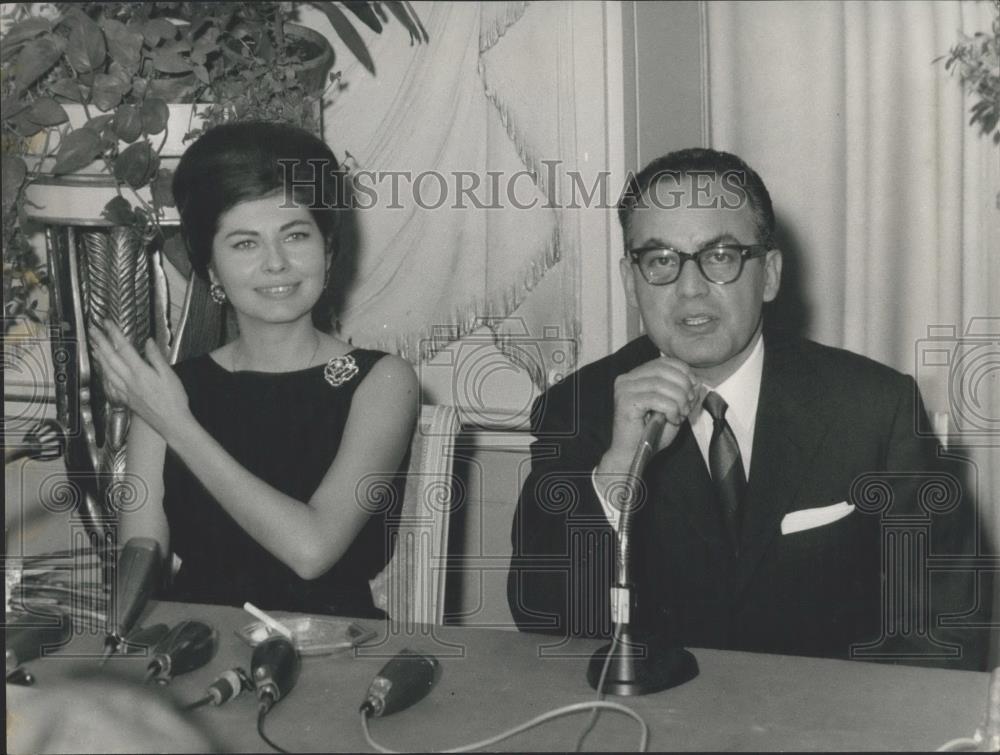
218 293
326 278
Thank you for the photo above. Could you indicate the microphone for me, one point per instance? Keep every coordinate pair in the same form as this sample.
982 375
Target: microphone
45 441
274 667
403 681
625 667
135 580
29 637
188 646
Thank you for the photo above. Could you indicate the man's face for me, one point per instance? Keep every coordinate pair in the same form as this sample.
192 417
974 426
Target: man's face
710 326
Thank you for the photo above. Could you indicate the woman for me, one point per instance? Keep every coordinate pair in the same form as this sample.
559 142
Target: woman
263 458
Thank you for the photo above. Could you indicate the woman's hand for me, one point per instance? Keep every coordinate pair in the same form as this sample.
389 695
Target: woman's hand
148 387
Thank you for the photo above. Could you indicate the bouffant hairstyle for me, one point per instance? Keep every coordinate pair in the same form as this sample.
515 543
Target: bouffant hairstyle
236 162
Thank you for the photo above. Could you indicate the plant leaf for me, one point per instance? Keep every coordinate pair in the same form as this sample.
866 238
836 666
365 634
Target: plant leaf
170 62
365 14
14 173
157 29
86 50
405 14
119 212
25 30
45 111
124 46
67 89
136 164
162 188
348 35
78 149
98 123
35 58
107 92
154 115
11 106
128 123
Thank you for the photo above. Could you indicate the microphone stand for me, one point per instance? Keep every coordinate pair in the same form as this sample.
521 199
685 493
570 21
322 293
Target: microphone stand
635 668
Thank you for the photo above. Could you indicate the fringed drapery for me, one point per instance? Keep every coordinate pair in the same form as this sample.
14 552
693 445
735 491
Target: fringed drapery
485 106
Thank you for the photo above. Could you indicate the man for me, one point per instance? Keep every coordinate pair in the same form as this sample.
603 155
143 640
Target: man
782 463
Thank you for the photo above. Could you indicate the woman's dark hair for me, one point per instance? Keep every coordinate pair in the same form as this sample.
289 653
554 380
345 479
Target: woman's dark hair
237 162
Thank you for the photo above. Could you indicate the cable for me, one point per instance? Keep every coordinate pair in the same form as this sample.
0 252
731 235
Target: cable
615 637
538 720
959 744
265 705
199 703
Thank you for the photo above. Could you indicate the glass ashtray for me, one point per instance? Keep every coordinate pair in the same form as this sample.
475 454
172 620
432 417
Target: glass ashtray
312 635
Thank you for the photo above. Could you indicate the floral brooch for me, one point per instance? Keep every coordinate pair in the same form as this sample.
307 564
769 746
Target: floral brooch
339 370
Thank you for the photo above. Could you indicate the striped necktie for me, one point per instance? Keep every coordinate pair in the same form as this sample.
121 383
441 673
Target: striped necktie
726 467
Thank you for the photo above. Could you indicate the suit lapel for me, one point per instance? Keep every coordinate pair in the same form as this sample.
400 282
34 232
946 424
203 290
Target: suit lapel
789 428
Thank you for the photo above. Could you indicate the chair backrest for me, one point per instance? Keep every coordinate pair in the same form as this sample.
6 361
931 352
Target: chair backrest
411 588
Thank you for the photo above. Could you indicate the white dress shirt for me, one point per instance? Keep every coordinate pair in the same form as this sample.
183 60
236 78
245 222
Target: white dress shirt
741 392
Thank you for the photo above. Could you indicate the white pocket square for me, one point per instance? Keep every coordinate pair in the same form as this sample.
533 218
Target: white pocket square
806 519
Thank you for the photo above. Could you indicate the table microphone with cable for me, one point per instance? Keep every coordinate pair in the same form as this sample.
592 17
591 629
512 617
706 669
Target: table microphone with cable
403 681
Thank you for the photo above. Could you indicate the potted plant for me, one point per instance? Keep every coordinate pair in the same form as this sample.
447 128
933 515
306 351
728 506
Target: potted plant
98 101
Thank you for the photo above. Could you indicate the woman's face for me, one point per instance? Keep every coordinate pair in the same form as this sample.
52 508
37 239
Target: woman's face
271 260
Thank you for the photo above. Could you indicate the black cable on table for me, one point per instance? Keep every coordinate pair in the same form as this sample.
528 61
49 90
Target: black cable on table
261 715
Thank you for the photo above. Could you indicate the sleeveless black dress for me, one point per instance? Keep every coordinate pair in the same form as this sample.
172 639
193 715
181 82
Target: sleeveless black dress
285 428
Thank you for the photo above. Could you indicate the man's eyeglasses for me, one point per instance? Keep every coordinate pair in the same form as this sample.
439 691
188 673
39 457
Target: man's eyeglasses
721 263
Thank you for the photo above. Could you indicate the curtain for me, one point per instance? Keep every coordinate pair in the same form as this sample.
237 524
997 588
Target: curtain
887 200
482 104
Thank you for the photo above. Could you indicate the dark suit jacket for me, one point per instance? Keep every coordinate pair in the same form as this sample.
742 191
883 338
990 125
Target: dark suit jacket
831 426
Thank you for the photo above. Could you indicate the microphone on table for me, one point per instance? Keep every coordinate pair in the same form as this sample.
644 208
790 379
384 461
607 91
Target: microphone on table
274 668
45 441
28 637
625 667
403 681
135 579
188 646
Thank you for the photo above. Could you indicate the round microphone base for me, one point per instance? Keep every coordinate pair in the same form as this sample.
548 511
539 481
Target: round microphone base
641 668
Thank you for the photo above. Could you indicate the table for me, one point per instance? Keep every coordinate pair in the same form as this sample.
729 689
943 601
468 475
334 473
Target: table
492 680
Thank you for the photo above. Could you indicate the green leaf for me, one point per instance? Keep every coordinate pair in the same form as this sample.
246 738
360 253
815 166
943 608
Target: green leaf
124 46
154 115
170 62
14 173
26 30
119 212
128 123
35 59
348 35
78 149
45 111
157 29
162 188
68 89
136 164
107 92
86 50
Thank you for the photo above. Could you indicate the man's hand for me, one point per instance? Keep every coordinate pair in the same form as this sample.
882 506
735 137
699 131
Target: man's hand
663 385
148 387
